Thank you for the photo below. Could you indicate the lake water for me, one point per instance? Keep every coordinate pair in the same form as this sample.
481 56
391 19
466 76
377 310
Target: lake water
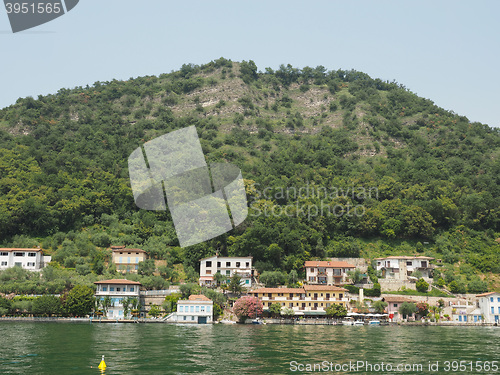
65 348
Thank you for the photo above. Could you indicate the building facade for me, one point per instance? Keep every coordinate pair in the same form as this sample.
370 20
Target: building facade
198 309
29 259
117 290
489 304
309 300
227 267
403 267
127 260
327 272
393 305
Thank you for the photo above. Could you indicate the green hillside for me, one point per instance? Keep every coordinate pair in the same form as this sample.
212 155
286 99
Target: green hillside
418 178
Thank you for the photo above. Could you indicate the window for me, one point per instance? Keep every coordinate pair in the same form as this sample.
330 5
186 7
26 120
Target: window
218 264
228 264
4 263
247 281
491 299
237 264
409 263
202 309
228 273
395 305
111 288
341 295
32 254
247 265
197 308
18 254
184 317
192 309
104 288
18 264
181 308
136 267
120 260
424 264
117 289
31 264
209 272
499 310
460 318
137 259
4 253
492 310
131 288
312 269
498 299
192 318
208 263
208 309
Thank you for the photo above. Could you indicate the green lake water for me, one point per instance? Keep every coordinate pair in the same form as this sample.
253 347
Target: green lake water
66 348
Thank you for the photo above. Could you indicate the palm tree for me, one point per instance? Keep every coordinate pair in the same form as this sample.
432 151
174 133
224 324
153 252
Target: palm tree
126 302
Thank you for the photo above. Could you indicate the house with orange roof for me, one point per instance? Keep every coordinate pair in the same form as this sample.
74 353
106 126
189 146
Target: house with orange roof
117 290
197 309
489 304
327 272
308 300
127 260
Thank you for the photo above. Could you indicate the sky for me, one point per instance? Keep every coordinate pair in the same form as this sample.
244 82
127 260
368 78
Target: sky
446 51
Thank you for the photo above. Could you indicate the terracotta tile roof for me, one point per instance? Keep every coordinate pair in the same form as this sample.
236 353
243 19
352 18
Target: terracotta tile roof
398 299
118 281
487 294
198 297
324 287
277 290
405 257
226 258
113 248
328 264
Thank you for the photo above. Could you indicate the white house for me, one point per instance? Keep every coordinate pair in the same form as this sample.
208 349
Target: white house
489 304
117 290
401 267
327 272
197 309
29 259
227 266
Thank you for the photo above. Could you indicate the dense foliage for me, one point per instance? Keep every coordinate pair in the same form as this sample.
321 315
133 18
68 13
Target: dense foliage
408 176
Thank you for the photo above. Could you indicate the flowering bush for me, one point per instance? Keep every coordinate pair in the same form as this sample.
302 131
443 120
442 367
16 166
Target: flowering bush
247 307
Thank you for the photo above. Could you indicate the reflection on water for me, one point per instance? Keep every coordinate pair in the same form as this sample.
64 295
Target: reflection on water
50 348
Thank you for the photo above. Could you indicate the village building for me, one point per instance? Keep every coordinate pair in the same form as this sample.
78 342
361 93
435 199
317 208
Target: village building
29 259
127 260
227 267
327 272
405 267
117 290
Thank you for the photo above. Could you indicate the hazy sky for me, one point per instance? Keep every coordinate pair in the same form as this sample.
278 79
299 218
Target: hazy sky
446 51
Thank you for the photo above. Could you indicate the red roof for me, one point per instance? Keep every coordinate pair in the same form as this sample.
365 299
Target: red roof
328 264
198 297
278 290
116 249
118 281
324 287
486 294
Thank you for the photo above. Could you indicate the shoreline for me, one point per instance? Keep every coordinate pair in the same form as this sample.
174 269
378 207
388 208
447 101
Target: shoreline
265 321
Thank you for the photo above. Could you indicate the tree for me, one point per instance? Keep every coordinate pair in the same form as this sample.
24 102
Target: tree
146 267
336 311
126 303
422 308
5 306
275 308
80 301
247 307
293 277
271 279
168 273
287 311
188 289
219 278
407 309
422 286
170 303
46 306
356 276
379 306
136 306
235 284
154 311
457 287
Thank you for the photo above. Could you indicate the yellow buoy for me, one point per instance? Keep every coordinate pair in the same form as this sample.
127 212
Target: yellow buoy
102 365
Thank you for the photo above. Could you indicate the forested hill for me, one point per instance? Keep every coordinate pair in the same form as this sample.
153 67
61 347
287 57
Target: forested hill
433 176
